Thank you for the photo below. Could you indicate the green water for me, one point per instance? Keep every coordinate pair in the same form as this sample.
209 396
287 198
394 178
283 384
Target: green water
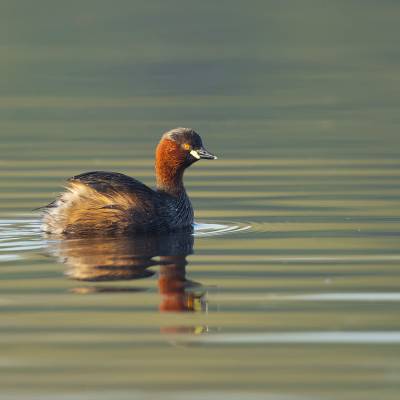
292 291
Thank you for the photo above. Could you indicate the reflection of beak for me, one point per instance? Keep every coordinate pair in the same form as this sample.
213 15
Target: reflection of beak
203 153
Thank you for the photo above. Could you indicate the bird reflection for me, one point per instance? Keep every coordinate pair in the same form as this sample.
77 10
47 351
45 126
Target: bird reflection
106 259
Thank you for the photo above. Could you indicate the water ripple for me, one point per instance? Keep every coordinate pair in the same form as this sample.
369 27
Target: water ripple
202 229
381 337
17 235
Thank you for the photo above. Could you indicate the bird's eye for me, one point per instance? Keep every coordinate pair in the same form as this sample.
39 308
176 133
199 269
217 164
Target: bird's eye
186 146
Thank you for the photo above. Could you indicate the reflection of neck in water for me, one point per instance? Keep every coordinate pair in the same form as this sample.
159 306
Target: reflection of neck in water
175 289
127 258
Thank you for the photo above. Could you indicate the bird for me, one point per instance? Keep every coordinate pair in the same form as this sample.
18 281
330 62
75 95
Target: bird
110 203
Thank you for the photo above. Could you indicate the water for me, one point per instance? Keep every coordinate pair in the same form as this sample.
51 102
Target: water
289 288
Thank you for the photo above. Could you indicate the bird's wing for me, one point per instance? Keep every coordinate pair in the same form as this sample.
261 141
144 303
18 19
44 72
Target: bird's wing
103 201
112 182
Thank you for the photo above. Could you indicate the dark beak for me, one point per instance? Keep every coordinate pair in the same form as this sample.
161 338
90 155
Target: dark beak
203 153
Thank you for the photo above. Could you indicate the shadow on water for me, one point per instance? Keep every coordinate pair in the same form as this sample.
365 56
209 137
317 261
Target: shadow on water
109 259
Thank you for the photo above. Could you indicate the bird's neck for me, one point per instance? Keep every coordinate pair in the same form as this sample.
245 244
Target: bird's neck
170 181
169 169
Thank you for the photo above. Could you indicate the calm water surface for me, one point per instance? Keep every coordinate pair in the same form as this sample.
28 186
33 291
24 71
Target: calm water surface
289 287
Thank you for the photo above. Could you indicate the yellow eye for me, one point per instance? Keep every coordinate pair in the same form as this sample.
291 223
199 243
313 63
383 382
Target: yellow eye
186 146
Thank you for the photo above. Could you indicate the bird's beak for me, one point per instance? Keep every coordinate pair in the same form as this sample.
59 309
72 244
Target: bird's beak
203 153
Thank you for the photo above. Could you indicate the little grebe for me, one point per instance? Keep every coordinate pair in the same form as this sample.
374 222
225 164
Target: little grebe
112 203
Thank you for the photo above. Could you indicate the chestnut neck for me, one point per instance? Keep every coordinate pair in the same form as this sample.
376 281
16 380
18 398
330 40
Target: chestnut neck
170 165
